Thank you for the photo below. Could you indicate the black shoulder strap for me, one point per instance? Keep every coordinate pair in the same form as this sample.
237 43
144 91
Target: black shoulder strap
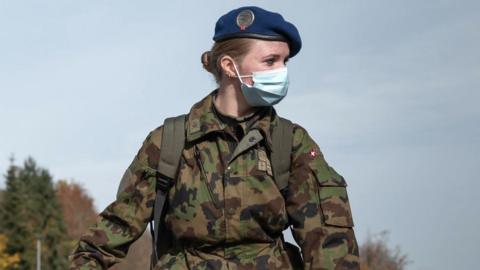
282 136
173 142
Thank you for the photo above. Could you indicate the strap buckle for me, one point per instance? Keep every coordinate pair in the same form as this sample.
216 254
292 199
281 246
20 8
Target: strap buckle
164 183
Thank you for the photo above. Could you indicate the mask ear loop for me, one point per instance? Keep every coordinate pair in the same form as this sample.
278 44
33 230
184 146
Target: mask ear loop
241 76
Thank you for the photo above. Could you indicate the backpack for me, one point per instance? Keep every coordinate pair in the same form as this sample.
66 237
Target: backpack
173 142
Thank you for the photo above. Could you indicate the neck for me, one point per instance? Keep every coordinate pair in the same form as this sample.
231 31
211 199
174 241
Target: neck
231 102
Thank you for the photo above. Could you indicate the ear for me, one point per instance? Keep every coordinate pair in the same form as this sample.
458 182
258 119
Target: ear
227 64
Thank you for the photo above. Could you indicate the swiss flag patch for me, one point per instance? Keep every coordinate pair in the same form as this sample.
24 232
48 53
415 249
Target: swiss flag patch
313 153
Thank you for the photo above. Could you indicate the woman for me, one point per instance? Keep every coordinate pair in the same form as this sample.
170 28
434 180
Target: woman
225 209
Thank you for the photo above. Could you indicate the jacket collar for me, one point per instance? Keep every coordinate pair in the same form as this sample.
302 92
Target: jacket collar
202 120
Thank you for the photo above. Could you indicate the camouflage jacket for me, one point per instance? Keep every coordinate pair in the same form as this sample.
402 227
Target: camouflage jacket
225 210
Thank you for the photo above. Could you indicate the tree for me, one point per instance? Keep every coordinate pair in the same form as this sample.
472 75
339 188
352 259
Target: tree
29 210
77 208
376 255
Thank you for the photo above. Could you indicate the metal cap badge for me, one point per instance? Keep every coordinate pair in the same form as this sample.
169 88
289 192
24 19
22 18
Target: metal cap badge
245 19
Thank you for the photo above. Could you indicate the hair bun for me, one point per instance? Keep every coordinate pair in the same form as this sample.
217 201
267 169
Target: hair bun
206 61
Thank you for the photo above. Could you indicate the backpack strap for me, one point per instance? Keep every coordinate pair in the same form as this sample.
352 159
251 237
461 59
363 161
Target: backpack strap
282 137
173 142
282 140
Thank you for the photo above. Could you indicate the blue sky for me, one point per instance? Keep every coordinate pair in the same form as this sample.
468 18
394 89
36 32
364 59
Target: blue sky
389 90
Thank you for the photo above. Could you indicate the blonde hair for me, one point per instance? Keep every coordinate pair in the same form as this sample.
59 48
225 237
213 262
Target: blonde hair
235 48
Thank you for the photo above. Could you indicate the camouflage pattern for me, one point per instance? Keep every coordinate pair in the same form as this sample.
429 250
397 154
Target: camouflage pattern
225 210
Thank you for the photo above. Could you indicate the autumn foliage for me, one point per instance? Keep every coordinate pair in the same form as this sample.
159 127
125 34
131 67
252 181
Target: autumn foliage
7 260
77 207
376 255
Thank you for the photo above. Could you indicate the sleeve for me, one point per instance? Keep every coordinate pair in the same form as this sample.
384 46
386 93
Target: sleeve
318 209
123 221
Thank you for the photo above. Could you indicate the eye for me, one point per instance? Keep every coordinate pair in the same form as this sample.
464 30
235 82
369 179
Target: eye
270 61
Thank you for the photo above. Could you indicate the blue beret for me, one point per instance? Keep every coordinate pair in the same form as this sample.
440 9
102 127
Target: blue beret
255 22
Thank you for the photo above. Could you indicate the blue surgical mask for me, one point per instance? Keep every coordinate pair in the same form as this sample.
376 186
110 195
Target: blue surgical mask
269 87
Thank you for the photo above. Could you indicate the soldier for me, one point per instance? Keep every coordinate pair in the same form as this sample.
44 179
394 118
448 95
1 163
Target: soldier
225 209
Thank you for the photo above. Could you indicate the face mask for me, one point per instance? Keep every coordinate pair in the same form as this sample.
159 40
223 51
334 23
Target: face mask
269 87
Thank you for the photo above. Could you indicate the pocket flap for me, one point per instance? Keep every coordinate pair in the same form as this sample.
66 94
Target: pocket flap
335 206
327 176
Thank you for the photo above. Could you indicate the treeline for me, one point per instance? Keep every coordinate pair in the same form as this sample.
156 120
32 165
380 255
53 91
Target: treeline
35 209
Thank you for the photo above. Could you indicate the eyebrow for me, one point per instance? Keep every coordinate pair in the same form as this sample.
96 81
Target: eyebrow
274 55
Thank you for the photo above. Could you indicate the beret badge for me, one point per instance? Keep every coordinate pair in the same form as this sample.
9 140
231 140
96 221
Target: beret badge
245 19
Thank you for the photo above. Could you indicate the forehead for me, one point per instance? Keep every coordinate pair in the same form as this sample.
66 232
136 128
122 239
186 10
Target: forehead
261 48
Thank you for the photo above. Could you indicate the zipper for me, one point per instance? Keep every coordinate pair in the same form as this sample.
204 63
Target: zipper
202 170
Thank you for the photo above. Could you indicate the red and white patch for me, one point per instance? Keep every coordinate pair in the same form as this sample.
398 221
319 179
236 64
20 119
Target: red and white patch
313 153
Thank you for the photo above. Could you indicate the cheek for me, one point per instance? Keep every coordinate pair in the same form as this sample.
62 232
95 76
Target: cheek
248 69
248 80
